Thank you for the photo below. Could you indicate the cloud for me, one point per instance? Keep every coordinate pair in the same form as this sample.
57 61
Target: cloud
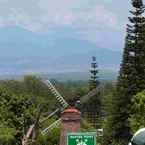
98 17
91 20
39 15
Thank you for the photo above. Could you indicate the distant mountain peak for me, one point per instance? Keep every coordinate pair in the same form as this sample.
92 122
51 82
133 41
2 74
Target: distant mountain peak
25 51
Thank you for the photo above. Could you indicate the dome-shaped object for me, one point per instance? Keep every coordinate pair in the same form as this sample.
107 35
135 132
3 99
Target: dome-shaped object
71 110
139 137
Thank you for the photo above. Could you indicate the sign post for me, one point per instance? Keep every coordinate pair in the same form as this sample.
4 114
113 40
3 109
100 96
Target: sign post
81 138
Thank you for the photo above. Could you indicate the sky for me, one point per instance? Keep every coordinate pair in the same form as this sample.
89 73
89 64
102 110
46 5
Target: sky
32 32
93 20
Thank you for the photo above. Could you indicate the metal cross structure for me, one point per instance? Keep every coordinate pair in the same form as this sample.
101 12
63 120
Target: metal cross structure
33 131
58 96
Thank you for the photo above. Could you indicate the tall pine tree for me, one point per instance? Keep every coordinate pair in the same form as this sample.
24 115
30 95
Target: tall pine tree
93 82
92 108
131 79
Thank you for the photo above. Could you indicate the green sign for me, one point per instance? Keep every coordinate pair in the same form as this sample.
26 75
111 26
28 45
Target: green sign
81 138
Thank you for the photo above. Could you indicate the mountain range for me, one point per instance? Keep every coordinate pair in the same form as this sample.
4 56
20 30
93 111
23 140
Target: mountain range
24 52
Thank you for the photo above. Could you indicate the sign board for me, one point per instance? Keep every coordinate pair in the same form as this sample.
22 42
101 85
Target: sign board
81 138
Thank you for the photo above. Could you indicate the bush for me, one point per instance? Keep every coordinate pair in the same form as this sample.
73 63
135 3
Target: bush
137 113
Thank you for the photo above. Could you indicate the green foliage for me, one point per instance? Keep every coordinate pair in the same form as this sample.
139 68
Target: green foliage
86 126
7 135
16 113
92 108
16 87
51 138
131 78
31 86
19 101
108 102
71 89
94 82
137 113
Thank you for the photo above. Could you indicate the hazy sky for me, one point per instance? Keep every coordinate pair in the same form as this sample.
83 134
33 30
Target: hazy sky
38 15
42 27
93 20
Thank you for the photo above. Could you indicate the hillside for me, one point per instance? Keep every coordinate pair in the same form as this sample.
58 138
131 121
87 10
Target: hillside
43 53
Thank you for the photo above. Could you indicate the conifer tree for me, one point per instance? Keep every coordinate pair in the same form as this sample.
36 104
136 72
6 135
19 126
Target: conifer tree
92 109
93 82
131 79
